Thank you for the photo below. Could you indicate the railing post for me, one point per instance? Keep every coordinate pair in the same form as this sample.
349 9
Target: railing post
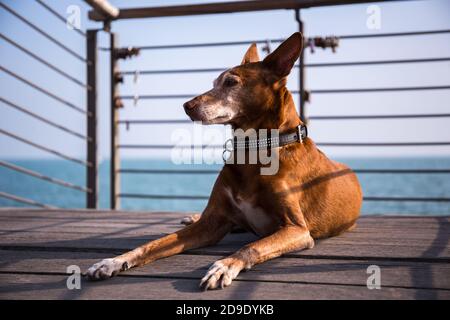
301 71
116 104
91 74
115 157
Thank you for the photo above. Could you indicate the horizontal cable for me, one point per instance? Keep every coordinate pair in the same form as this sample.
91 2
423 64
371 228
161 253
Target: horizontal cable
403 171
359 90
380 116
153 121
170 71
25 200
393 34
44 91
42 32
327 144
349 117
363 171
165 146
201 45
309 65
204 197
162 196
381 144
374 62
38 117
316 91
46 63
59 16
247 42
159 96
407 199
42 177
167 171
40 147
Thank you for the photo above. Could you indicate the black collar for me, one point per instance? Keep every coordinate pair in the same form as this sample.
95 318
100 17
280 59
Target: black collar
300 134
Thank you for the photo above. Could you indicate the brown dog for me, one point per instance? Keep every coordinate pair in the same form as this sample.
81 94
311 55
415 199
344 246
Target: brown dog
309 197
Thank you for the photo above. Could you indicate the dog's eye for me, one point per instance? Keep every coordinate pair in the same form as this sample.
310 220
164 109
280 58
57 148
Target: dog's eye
229 82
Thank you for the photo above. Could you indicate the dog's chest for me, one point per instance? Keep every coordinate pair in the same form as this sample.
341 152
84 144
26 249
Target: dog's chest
251 215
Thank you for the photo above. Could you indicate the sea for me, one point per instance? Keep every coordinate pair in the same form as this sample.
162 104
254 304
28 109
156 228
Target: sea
374 185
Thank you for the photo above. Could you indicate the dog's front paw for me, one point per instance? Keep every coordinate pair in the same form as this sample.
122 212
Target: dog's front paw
106 268
221 274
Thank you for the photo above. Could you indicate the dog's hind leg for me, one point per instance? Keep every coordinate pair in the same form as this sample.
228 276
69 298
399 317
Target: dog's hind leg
206 231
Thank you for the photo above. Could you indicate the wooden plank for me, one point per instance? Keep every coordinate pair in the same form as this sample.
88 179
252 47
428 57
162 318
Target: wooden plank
365 223
87 213
89 226
106 213
373 223
375 237
128 238
312 271
163 226
118 241
29 286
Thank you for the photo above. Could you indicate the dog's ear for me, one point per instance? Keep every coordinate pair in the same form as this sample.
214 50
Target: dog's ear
283 58
251 55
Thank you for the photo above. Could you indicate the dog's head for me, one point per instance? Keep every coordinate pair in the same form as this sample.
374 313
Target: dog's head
245 92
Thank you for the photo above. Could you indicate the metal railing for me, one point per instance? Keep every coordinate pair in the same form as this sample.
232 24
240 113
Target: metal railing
116 194
89 86
89 61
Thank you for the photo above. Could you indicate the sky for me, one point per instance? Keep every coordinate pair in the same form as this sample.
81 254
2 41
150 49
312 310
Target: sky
337 20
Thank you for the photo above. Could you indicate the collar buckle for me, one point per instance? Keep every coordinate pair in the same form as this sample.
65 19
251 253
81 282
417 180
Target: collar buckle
302 133
228 148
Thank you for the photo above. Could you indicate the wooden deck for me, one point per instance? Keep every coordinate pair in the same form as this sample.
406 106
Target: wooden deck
36 246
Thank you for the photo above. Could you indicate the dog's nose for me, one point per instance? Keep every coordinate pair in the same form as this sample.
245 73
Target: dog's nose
189 105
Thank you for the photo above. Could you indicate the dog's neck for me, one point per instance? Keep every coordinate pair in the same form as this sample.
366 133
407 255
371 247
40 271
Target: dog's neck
282 115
